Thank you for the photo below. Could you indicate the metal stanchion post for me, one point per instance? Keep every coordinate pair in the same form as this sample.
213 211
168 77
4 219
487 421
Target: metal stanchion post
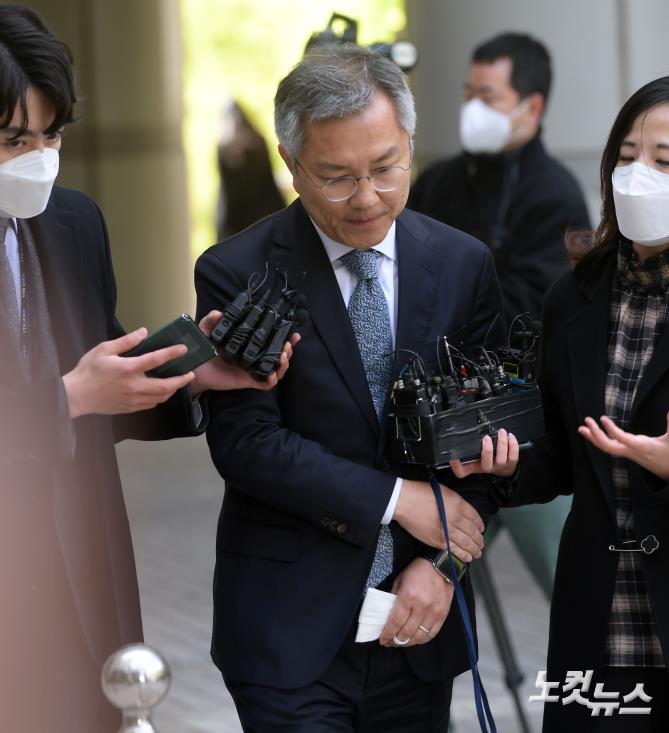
135 679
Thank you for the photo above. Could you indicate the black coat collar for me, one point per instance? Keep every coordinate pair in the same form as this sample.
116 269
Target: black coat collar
57 238
587 324
485 164
56 241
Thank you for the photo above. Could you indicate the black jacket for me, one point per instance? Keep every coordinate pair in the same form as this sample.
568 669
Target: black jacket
573 373
520 204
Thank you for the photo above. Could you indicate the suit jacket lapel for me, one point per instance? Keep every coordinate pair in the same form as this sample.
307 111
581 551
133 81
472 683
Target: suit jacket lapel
418 268
56 238
418 275
587 336
10 361
301 253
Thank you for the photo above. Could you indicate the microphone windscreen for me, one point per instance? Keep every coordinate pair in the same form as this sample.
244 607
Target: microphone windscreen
301 311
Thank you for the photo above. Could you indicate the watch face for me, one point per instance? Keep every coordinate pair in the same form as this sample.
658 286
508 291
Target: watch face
460 567
443 564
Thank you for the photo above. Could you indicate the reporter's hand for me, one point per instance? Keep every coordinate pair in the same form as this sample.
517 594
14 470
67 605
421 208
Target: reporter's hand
105 383
501 462
423 599
417 513
217 374
650 453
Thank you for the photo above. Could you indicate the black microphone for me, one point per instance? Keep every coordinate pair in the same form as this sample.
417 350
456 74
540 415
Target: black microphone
241 334
232 313
259 336
272 357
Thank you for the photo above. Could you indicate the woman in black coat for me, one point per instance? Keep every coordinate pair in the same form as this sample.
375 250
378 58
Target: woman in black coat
605 351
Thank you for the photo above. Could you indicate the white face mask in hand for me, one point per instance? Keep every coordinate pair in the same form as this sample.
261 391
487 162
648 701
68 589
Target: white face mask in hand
641 198
484 129
26 182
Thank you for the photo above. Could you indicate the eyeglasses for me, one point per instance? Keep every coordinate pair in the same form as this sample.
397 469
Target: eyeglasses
383 180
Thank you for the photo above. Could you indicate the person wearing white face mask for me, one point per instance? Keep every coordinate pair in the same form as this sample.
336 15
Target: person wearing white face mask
506 190
641 197
606 353
26 182
484 129
67 574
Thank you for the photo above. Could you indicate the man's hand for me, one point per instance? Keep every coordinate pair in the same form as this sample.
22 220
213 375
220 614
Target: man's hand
105 383
650 453
501 462
219 375
417 513
423 602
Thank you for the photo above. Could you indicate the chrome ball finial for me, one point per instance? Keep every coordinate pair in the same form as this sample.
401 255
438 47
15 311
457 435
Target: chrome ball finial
135 679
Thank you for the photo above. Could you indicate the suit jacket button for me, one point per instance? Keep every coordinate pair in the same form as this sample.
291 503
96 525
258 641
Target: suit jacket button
325 521
342 528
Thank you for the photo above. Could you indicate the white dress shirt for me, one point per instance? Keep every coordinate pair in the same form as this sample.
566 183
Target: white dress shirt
12 249
388 279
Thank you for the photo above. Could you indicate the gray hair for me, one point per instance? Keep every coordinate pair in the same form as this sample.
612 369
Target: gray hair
335 81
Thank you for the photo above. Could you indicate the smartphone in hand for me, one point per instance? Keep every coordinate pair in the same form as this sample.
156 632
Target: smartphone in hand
182 330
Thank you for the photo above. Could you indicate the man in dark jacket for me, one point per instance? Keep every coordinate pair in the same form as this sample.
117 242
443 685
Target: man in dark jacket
504 188
507 191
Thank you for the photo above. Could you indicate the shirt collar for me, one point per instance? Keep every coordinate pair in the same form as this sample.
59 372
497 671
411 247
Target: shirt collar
336 250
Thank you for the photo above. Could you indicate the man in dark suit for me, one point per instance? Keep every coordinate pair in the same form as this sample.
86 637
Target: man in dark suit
313 514
67 573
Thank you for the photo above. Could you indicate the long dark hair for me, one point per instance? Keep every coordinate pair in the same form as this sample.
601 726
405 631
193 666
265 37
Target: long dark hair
607 233
30 55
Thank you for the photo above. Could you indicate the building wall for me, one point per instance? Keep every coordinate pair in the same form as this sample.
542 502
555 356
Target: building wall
126 151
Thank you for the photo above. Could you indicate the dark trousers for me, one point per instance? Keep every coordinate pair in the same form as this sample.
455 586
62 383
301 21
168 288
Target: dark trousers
367 689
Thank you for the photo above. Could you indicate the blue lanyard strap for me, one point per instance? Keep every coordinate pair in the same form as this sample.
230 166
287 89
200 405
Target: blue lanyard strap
480 699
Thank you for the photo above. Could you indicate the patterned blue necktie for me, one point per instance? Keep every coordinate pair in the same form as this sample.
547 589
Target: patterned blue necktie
368 311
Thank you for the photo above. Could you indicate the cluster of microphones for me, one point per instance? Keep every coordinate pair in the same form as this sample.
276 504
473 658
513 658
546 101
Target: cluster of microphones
254 327
442 413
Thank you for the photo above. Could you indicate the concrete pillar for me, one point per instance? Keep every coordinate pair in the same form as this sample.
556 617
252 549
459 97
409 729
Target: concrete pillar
126 152
602 51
